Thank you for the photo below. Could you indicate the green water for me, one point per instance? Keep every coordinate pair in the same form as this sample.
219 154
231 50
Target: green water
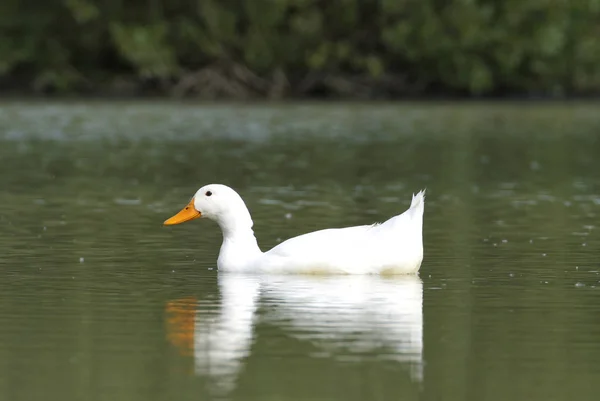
99 301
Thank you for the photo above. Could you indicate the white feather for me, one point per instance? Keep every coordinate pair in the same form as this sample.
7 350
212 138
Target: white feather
393 247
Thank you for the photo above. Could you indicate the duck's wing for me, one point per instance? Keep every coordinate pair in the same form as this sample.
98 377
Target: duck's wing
327 239
327 250
396 244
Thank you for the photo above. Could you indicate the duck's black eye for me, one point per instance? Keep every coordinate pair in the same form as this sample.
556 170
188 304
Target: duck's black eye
208 193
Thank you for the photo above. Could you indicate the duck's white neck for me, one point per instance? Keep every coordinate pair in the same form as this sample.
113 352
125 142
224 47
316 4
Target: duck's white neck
239 249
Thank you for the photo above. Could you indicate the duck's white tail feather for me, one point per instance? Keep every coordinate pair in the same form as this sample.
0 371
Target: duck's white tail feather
411 220
418 203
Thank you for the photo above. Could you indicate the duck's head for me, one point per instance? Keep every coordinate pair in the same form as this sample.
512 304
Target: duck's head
215 202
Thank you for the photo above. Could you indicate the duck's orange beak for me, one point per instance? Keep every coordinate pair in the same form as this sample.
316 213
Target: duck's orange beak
186 214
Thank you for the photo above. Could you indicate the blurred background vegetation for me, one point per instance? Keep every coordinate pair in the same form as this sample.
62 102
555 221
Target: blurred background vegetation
276 49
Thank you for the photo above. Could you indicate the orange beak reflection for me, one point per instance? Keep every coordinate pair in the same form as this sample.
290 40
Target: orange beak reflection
186 214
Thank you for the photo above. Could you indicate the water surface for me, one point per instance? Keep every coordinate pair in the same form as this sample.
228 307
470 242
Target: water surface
99 301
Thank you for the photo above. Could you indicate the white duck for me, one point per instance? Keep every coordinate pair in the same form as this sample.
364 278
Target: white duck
393 247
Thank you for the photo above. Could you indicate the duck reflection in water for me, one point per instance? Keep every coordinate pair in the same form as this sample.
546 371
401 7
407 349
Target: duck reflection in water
347 318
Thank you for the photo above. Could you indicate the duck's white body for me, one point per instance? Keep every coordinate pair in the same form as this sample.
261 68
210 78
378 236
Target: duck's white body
393 247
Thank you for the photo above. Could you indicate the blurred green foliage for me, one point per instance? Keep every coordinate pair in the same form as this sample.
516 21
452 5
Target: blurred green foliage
279 48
